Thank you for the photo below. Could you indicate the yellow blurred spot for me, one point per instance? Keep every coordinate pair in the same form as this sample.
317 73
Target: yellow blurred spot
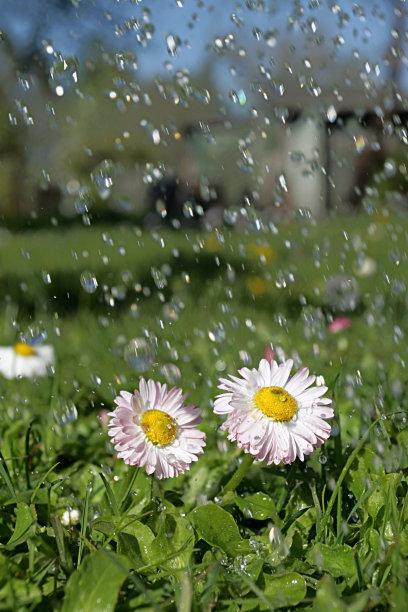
256 285
212 242
263 252
25 350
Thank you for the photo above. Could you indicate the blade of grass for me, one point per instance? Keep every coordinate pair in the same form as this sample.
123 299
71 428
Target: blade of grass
113 504
66 559
293 518
339 514
27 455
338 452
41 481
128 485
359 571
352 457
84 522
316 502
5 473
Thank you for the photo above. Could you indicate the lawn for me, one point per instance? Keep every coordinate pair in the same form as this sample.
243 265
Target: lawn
80 530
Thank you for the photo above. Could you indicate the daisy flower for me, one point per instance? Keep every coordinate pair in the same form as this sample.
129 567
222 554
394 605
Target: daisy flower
273 416
25 360
152 427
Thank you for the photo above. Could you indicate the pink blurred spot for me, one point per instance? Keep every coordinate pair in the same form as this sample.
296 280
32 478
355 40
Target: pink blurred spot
103 417
337 325
269 354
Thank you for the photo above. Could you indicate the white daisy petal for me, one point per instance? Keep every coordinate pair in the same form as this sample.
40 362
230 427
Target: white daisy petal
153 428
274 417
281 375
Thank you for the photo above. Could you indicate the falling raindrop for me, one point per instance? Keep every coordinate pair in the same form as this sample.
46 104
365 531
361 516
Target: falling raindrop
171 373
34 334
46 277
342 293
139 354
63 75
173 43
103 176
65 411
84 200
88 281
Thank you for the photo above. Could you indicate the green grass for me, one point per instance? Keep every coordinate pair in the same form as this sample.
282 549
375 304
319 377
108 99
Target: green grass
208 304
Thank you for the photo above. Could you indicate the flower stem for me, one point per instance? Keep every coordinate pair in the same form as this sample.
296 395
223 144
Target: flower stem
128 485
239 474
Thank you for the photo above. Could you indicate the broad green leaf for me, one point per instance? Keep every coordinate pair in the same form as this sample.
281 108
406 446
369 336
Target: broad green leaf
366 468
95 586
380 495
217 527
327 597
129 546
25 524
257 506
284 590
129 525
105 526
252 565
19 593
172 552
338 561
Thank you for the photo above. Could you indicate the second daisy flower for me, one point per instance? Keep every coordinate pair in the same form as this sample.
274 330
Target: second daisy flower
273 416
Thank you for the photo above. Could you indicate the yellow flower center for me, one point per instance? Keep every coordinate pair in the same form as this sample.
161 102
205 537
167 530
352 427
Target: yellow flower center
23 349
275 402
158 426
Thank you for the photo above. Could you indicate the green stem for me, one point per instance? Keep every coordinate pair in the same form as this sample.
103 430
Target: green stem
128 485
239 473
342 476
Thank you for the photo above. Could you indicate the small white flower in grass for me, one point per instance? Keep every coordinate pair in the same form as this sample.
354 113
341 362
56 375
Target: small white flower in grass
153 428
71 517
273 416
25 360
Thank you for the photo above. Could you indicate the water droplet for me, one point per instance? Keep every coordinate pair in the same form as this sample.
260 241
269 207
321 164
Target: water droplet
159 278
103 176
34 334
173 43
63 75
171 373
139 354
342 293
95 380
46 277
89 282
84 200
65 411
